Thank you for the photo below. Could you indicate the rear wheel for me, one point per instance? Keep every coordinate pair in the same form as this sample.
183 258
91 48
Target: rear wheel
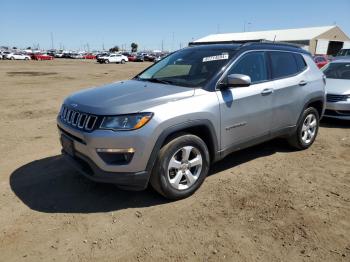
181 167
307 130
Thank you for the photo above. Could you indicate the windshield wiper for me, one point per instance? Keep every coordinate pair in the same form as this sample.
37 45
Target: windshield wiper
157 80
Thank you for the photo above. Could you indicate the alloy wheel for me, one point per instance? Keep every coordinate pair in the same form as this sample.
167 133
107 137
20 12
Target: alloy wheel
309 128
184 167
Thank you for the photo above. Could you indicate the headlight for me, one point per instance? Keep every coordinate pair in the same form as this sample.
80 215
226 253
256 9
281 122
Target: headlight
126 122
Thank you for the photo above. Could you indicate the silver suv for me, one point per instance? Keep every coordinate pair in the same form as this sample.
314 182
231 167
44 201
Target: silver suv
167 125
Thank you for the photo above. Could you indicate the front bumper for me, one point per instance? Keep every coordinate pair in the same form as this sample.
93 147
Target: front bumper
132 175
84 165
339 110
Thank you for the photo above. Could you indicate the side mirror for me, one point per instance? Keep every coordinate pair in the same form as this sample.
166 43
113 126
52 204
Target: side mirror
237 80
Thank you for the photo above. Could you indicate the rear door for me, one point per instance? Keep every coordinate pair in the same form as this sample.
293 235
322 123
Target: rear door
289 74
246 111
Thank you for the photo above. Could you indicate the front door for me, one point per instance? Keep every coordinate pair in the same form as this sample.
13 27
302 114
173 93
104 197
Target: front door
246 112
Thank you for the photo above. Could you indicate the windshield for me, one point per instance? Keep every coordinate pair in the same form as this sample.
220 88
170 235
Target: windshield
344 52
338 70
189 67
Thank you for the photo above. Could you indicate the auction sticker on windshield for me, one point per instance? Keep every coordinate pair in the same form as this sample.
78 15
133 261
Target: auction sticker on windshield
215 57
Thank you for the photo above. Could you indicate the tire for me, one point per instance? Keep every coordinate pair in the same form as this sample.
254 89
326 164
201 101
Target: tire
123 61
12 58
173 175
26 58
307 130
106 61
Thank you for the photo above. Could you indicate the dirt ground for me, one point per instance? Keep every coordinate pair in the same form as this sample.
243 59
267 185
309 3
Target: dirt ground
266 203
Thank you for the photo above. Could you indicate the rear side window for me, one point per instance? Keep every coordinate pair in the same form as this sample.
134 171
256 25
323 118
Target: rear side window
301 62
283 64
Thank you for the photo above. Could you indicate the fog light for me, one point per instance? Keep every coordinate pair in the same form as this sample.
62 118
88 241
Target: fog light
115 150
116 156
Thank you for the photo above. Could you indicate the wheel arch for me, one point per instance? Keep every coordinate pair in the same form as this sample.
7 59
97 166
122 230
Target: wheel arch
201 128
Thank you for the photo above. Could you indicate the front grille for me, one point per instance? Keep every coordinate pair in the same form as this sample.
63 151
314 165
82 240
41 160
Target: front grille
337 98
79 119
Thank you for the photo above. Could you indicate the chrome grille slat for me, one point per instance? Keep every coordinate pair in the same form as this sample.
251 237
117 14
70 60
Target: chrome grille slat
78 119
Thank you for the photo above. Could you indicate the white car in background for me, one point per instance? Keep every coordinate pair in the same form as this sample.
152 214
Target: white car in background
17 56
337 73
113 58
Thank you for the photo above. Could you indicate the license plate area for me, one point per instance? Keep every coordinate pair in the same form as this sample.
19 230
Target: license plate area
67 145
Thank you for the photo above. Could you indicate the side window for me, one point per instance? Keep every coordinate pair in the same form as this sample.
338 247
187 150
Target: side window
283 64
301 62
252 64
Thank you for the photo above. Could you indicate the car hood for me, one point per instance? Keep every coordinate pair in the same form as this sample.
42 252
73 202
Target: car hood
338 86
126 97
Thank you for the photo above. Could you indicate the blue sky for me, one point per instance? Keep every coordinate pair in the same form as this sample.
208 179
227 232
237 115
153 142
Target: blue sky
149 23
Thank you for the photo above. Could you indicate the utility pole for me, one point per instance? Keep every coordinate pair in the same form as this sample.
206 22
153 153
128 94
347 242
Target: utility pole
52 46
162 45
172 44
244 26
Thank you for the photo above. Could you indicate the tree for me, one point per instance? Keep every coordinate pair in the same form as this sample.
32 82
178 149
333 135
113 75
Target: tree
134 47
114 49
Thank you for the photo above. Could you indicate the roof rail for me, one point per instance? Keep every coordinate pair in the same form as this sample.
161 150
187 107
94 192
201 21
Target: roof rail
246 43
268 42
217 42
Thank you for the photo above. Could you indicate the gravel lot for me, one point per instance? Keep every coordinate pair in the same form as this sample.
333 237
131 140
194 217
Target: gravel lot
266 203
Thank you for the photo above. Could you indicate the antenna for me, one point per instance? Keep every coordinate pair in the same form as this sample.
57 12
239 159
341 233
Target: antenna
274 39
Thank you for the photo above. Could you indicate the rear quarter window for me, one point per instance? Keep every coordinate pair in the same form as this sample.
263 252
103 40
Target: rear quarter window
283 64
301 62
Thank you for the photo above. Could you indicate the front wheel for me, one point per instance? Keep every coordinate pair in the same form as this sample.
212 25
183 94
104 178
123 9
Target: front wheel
181 167
107 61
123 61
307 130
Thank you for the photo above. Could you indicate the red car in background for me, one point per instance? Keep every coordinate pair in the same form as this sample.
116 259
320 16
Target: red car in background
131 57
321 60
89 56
41 57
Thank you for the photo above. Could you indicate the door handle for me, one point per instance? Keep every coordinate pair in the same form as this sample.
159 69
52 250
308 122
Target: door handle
267 91
302 83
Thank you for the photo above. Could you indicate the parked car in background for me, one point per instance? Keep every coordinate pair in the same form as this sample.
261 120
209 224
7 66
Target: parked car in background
149 57
140 58
167 125
113 58
344 52
132 57
89 56
102 54
321 60
159 57
59 55
17 56
39 57
337 73
76 56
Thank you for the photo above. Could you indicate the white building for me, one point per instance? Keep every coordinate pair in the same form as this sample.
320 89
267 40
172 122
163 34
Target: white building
318 40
